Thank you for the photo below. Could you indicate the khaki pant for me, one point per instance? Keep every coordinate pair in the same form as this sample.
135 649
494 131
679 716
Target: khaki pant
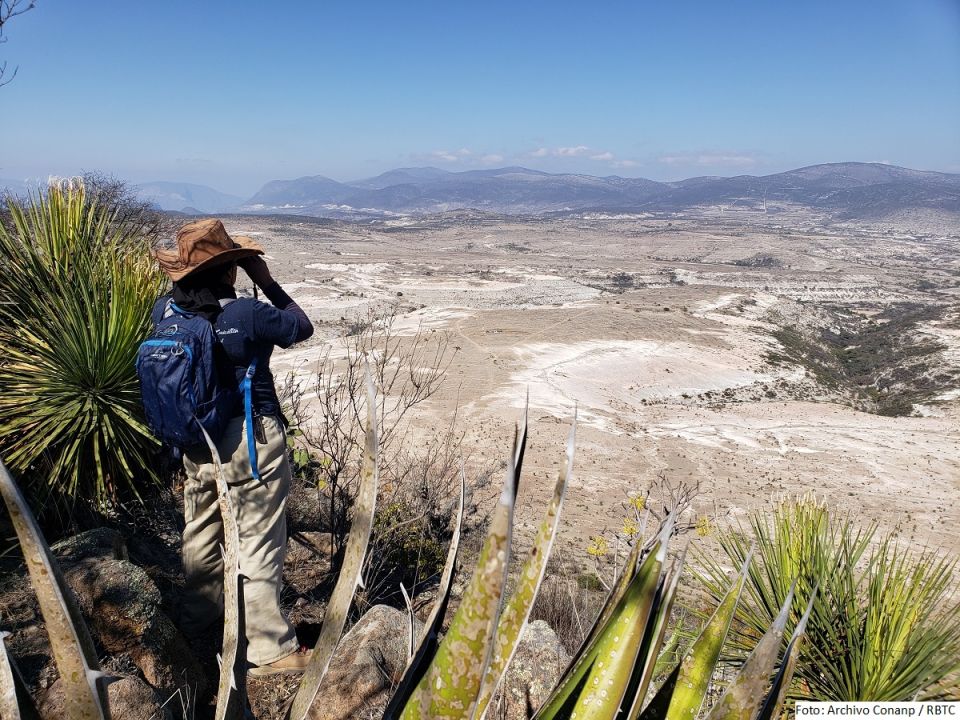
259 506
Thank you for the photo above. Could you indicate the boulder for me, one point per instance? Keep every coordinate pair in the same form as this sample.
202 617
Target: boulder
368 663
130 698
121 605
535 669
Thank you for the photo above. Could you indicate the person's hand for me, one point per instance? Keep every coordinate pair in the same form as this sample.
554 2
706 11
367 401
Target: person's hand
256 269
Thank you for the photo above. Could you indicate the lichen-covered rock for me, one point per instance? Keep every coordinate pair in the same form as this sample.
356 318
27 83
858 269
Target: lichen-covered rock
368 662
121 605
532 674
96 543
130 698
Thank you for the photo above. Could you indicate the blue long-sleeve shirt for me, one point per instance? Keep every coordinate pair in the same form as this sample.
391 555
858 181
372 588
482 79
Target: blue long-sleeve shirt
249 328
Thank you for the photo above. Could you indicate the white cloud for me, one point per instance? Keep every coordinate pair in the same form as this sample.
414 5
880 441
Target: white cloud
709 158
451 157
602 156
624 163
572 151
539 152
491 159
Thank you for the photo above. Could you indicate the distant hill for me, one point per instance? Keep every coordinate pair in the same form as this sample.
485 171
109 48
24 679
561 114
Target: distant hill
186 197
844 190
401 176
848 190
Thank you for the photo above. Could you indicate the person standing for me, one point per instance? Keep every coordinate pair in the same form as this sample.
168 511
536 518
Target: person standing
203 269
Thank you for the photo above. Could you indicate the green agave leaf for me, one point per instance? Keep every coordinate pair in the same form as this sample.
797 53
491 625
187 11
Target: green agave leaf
521 446
656 632
610 603
621 645
598 676
682 695
73 649
781 683
352 569
429 643
743 697
231 690
450 686
518 607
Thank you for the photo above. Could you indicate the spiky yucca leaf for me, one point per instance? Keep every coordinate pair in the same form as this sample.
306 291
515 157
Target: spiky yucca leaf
351 571
70 640
449 688
77 291
427 647
876 600
682 695
517 608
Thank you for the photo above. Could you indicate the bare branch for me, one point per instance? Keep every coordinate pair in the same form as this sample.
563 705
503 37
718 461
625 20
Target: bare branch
10 9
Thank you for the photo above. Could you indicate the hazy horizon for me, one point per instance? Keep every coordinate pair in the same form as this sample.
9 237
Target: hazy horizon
233 96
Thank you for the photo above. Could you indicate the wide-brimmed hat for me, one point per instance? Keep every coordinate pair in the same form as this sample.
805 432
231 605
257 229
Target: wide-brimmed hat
201 245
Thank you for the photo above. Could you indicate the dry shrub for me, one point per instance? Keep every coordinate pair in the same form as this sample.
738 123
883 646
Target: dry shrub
419 476
569 602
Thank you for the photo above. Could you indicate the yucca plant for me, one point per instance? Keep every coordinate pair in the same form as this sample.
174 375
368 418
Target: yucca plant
76 290
885 624
457 678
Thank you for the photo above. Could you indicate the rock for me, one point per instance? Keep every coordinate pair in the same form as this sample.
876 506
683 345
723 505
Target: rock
122 608
368 662
308 547
533 672
130 698
97 543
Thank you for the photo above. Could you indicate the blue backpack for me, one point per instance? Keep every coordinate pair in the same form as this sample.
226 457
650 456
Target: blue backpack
181 388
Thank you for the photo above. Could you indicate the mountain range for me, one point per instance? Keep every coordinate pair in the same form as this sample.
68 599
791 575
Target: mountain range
842 190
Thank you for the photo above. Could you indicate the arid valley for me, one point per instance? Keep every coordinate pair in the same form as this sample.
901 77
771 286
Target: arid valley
757 354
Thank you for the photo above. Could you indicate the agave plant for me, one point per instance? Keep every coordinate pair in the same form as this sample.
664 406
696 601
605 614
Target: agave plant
885 624
610 675
77 291
457 677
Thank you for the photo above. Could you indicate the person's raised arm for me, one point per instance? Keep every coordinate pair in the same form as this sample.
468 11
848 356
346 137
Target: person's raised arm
257 270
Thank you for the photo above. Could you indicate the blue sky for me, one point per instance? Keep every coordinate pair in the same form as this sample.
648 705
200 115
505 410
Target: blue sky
232 94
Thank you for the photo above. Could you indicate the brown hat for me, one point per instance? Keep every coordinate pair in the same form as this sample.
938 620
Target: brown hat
204 244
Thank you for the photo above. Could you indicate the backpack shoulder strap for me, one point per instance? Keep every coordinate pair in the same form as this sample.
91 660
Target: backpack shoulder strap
248 417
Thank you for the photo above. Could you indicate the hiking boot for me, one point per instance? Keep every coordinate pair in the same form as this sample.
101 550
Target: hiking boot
295 662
